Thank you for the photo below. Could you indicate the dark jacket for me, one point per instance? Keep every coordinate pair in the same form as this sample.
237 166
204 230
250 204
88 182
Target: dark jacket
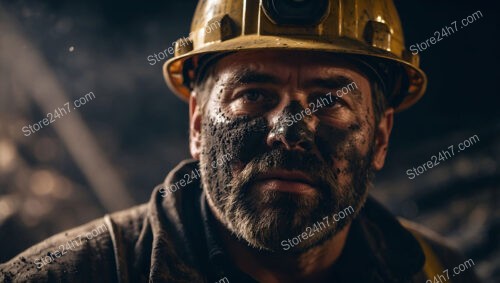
169 239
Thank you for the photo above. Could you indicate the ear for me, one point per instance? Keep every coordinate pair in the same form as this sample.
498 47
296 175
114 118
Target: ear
194 127
382 134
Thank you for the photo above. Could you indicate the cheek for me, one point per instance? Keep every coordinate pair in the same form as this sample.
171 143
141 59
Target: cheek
241 138
346 138
341 148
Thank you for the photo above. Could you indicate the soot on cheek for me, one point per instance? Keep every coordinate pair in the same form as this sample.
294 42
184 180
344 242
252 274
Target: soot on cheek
339 144
238 140
331 142
241 138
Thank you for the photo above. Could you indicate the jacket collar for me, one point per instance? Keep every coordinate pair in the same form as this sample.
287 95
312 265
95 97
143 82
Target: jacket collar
377 241
395 253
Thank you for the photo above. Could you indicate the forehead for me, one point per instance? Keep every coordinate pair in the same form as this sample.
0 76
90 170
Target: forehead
292 71
282 63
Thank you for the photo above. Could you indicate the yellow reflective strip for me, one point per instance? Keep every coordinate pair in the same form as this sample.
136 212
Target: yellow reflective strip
432 266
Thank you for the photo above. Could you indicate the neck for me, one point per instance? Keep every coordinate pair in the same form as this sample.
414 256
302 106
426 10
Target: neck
313 265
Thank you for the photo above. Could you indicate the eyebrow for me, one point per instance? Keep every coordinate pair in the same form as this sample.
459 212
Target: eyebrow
248 76
330 82
251 76
334 82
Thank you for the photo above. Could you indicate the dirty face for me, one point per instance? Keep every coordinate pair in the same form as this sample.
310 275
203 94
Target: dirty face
300 151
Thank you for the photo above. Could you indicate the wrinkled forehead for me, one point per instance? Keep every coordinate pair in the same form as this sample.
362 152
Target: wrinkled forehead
283 63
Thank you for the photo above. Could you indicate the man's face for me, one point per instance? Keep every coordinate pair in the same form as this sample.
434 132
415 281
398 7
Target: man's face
299 150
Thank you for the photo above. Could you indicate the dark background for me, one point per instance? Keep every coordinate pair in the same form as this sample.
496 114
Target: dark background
58 51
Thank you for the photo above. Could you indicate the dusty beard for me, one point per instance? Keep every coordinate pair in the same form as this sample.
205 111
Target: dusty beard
265 218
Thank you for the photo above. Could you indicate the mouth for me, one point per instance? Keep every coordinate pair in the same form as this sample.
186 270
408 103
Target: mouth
286 181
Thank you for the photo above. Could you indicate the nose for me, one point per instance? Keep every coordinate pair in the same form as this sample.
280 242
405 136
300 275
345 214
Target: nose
290 130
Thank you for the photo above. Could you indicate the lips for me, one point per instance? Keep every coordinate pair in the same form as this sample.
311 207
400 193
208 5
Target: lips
286 181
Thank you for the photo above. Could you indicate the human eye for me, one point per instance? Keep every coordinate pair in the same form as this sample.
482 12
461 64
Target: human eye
262 97
326 101
253 101
254 96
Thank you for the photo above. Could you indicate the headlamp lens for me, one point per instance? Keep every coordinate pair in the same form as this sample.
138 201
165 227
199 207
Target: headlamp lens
295 12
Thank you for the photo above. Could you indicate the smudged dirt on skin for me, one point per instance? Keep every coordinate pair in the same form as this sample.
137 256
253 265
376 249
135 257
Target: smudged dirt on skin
240 138
347 145
244 138
293 132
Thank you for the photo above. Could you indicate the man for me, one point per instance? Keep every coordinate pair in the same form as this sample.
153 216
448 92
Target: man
291 107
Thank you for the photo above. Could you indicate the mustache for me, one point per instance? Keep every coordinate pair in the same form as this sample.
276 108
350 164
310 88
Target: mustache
308 163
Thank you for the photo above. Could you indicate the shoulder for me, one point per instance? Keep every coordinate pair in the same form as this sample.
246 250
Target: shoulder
82 254
442 260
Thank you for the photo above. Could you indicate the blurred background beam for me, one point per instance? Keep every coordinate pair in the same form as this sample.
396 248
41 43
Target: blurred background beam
26 63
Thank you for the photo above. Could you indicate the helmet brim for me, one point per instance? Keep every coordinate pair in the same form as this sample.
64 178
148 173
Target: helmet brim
174 69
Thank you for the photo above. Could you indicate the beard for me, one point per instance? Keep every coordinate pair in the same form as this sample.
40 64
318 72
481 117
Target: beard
265 218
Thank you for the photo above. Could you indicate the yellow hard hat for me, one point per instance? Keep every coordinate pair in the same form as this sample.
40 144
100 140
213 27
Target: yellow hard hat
365 28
